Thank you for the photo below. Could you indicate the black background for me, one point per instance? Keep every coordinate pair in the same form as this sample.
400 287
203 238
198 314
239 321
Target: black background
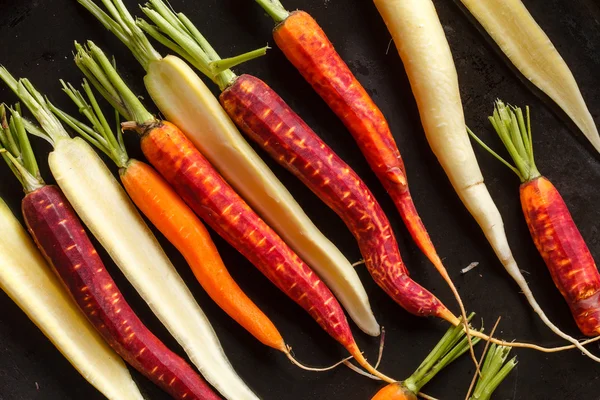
36 42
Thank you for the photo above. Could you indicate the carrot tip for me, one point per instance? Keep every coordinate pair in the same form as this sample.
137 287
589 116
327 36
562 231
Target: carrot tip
297 363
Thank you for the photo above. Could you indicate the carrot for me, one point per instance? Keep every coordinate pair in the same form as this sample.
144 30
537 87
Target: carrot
552 228
104 207
272 124
213 200
451 346
187 102
62 240
528 47
422 45
307 47
169 213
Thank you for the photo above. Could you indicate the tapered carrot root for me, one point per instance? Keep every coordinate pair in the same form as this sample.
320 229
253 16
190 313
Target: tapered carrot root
207 193
169 213
307 47
63 241
563 249
270 122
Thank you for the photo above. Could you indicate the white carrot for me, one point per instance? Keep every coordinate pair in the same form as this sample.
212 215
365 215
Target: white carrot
529 48
187 102
422 45
32 285
104 207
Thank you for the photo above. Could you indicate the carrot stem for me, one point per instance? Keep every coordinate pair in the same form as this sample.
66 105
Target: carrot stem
52 130
275 9
123 25
495 369
100 133
19 155
452 345
190 43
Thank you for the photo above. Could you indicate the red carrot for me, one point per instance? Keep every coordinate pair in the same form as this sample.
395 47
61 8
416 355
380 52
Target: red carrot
63 241
552 228
270 122
207 193
204 190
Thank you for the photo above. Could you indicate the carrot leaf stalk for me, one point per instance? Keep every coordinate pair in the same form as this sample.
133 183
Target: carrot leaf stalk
514 129
275 9
452 345
178 33
495 369
99 133
16 150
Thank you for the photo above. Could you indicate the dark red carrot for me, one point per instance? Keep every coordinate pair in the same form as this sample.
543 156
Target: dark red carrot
552 228
270 122
63 241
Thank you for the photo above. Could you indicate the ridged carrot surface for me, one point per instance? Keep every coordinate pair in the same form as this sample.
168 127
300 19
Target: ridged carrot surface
207 193
307 47
563 249
169 213
271 123
65 244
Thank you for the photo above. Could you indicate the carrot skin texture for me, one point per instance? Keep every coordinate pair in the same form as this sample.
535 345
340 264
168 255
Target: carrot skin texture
271 123
307 47
394 391
566 254
63 241
211 198
169 213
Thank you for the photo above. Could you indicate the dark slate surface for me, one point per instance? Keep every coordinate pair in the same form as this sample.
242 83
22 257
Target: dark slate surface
36 41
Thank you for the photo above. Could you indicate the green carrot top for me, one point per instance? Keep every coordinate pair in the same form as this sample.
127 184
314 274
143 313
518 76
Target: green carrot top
119 21
99 133
101 72
15 149
51 128
179 34
275 9
514 129
453 344
495 369
185 38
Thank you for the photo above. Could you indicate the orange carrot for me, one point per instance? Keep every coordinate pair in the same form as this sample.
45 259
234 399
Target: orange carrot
174 219
169 213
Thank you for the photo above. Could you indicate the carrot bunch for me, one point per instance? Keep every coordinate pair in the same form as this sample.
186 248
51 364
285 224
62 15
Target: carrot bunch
552 228
63 241
273 125
213 200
